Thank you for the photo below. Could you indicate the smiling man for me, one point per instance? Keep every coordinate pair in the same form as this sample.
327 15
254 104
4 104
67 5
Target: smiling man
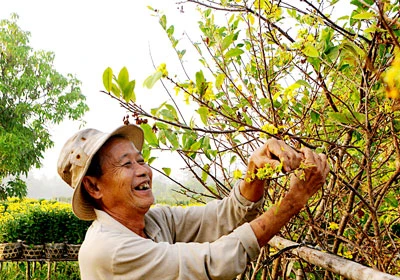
128 240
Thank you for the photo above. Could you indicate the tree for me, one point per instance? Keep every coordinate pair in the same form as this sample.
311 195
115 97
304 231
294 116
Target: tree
321 74
33 95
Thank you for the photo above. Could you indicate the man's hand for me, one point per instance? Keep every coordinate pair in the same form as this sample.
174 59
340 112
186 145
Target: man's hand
273 152
307 181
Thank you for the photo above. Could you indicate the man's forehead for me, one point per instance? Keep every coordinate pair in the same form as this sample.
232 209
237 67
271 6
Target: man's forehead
119 148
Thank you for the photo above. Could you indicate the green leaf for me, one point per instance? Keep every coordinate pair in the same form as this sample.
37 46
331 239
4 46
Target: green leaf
170 30
392 201
234 52
303 83
227 41
205 142
168 115
123 78
347 117
163 22
115 90
315 117
128 92
173 139
149 135
172 110
219 80
227 109
187 140
246 117
195 146
203 112
107 79
204 172
161 125
146 152
364 15
181 53
200 83
161 137
339 117
167 170
151 160
151 80
310 51
199 77
232 160
350 48
155 111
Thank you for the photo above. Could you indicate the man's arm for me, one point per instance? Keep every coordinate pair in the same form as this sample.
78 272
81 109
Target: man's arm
301 189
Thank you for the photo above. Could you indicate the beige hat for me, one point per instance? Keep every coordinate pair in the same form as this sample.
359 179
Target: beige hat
76 156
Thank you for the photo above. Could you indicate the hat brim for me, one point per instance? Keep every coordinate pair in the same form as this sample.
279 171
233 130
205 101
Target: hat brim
81 205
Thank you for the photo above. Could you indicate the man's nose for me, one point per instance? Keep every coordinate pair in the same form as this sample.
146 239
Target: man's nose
142 170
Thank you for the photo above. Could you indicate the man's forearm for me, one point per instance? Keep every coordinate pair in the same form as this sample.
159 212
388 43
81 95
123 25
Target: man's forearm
252 191
270 222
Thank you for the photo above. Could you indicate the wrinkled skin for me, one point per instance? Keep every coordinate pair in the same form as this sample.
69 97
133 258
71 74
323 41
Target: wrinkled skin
274 152
117 191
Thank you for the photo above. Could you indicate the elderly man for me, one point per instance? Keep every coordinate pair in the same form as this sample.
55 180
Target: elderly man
128 240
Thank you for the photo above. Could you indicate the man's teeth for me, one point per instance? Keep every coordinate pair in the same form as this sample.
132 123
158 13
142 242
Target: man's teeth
142 187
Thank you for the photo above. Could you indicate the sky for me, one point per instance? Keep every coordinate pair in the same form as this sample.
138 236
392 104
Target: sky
89 36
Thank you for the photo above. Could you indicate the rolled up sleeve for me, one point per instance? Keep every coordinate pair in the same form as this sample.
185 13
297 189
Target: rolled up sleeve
208 223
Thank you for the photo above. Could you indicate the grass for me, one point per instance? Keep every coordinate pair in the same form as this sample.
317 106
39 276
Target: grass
61 270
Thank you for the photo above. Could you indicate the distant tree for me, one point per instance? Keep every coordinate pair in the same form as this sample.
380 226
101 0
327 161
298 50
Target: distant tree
33 95
318 74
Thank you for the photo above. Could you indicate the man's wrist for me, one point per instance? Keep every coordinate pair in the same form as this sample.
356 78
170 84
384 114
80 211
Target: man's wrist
252 191
295 201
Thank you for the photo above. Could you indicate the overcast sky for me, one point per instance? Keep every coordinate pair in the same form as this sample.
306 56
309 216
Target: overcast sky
87 37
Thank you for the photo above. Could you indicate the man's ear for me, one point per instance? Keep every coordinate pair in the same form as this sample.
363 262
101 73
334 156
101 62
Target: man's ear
90 184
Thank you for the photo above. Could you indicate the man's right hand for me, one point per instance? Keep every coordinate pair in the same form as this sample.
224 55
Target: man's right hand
306 182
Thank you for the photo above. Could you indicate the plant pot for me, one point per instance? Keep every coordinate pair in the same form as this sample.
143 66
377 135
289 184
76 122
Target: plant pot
9 251
73 250
32 251
54 250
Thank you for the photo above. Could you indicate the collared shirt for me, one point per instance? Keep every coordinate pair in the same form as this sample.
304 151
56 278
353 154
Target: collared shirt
201 242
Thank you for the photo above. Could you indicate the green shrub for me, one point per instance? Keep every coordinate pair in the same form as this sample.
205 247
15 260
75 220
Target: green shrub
39 222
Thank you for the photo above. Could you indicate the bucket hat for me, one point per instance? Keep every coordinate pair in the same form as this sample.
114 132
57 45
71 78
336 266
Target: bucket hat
76 157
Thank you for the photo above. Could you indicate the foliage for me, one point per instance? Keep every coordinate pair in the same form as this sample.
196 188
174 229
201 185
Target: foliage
39 222
302 73
33 95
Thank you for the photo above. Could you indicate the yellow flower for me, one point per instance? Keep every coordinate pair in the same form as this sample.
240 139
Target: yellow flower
333 226
163 69
269 128
177 90
348 255
392 78
237 174
209 94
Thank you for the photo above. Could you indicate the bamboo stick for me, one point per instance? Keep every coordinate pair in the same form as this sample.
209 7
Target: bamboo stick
347 268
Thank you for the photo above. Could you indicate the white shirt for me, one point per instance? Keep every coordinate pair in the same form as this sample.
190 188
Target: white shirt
205 242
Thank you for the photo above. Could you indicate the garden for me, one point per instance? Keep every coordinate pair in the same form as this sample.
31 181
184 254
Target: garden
39 232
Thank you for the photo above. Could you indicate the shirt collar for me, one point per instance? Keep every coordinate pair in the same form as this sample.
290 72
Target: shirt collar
151 227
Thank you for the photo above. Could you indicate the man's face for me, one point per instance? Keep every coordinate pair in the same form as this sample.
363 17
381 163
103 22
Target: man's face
126 181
